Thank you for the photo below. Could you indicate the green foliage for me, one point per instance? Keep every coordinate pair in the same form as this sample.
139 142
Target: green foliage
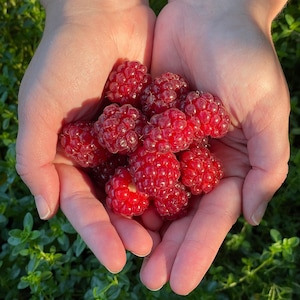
157 5
48 260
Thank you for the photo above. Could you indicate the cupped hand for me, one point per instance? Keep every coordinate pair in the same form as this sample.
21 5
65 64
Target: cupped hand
82 41
225 49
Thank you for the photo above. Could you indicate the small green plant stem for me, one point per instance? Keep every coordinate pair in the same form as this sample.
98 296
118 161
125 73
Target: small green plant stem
249 273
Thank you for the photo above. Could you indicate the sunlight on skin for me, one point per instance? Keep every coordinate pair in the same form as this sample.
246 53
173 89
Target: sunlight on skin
66 87
190 244
107 238
218 55
215 53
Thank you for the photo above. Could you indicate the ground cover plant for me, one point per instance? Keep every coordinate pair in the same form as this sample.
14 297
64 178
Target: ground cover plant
48 260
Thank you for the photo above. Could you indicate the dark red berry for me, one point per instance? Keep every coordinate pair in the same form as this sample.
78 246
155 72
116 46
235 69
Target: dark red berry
126 82
104 172
173 203
166 91
119 128
207 114
201 171
168 131
154 172
79 142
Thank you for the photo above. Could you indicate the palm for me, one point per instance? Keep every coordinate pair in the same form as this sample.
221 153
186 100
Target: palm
64 83
229 60
237 63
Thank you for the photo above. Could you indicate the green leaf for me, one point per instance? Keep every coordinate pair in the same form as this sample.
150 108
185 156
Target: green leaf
23 284
28 222
79 246
35 234
15 237
293 242
46 275
275 235
289 19
33 264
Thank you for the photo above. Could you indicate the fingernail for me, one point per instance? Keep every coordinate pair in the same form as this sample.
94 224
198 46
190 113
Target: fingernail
259 213
42 207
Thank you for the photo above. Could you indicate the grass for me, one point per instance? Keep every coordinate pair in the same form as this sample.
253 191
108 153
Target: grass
48 260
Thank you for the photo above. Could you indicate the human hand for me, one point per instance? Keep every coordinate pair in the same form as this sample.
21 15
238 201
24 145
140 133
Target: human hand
63 83
226 49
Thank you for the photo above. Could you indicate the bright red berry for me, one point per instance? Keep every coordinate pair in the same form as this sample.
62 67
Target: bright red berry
163 159
126 82
119 128
168 131
165 91
201 171
207 114
80 142
154 172
174 203
122 196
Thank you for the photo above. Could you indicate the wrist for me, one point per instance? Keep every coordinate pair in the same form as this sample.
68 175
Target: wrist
85 12
114 4
86 6
262 12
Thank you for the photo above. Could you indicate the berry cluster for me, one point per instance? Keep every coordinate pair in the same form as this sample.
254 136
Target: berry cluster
149 143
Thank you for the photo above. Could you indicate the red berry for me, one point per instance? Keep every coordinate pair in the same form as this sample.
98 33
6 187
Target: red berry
154 172
207 114
79 142
174 203
166 91
201 171
168 131
104 172
122 196
126 82
151 145
119 128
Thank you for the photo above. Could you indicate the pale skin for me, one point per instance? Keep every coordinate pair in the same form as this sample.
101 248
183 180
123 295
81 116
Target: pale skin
223 47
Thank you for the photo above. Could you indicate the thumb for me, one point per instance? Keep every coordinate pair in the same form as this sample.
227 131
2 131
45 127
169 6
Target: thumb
90 219
35 167
35 153
269 155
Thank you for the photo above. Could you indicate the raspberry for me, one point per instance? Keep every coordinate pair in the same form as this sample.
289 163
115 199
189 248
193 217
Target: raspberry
126 82
165 91
104 172
168 131
119 128
201 171
154 172
174 203
207 114
150 144
79 142
122 196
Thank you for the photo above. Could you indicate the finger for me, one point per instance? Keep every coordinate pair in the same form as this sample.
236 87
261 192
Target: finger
157 266
151 219
35 153
50 93
134 236
216 214
269 170
89 218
